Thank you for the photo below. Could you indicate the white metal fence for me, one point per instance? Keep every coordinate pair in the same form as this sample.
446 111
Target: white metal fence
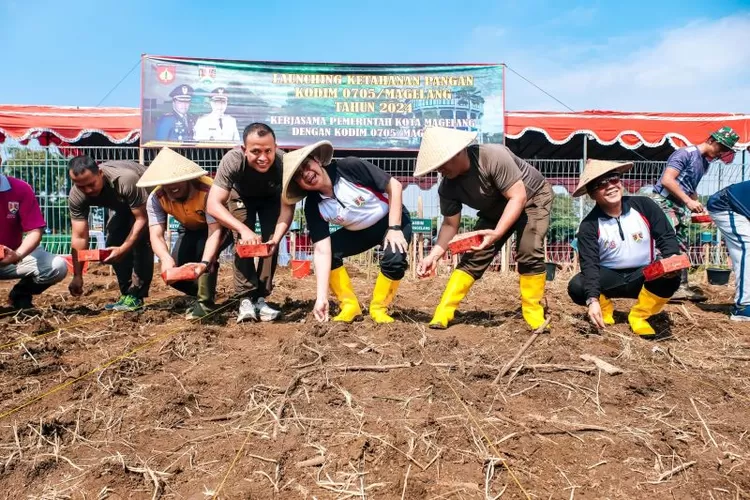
45 168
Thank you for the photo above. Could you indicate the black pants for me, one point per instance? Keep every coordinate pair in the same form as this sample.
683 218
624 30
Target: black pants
345 243
188 248
135 270
622 283
249 281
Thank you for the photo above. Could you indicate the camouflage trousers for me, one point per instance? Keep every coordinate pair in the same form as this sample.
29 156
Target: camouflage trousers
679 216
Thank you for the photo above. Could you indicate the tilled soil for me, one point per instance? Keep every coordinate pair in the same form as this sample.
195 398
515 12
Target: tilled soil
151 405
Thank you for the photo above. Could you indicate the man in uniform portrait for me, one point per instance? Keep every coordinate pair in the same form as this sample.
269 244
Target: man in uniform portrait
178 124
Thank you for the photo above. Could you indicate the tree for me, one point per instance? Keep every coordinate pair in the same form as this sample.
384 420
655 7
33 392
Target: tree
564 222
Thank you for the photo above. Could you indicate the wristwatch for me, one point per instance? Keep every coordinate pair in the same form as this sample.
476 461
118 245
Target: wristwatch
396 227
206 263
591 299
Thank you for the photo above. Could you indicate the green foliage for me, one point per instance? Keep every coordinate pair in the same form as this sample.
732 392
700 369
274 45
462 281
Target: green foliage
564 220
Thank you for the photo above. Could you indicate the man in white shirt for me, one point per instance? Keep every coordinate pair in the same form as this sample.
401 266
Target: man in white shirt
217 126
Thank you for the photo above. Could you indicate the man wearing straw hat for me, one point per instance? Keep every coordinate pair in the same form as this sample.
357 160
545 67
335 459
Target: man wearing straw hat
112 185
247 187
677 191
366 202
616 240
510 195
181 189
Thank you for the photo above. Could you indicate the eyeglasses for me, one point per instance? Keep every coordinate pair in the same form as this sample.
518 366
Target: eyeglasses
611 180
304 165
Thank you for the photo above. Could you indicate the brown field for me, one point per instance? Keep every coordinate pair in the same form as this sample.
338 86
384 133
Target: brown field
97 405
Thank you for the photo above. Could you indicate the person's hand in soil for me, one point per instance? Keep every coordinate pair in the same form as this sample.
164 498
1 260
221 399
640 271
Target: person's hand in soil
320 311
76 286
595 314
426 265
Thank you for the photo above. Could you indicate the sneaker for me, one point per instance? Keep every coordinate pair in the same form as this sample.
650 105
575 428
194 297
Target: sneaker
114 305
267 313
128 303
697 294
247 311
740 313
685 292
198 311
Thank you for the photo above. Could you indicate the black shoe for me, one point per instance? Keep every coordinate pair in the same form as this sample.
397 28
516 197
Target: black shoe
20 301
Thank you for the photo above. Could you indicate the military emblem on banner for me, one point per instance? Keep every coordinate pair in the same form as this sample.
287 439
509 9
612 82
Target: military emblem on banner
206 74
13 207
165 73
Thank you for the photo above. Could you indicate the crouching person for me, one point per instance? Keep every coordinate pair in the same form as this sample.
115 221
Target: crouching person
511 196
23 259
730 211
181 190
616 240
366 203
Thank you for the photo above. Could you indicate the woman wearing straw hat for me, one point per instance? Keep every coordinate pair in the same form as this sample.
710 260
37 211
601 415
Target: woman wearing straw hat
366 203
181 190
510 196
616 240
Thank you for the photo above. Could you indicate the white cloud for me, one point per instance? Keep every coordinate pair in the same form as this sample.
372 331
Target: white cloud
703 66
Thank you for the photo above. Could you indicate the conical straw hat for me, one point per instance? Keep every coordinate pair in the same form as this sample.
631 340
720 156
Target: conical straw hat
597 168
440 145
169 167
290 191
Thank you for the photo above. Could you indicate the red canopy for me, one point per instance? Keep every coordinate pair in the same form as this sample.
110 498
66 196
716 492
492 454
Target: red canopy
631 130
122 125
69 123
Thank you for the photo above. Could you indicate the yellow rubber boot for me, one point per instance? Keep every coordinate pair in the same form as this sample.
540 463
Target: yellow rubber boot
608 310
648 305
382 296
342 288
532 292
458 286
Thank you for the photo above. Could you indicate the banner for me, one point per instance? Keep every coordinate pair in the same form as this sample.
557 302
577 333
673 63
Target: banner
201 102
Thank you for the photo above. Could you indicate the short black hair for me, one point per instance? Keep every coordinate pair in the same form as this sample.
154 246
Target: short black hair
259 129
81 163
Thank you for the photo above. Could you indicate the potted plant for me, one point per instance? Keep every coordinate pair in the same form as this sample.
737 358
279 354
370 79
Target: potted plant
718 274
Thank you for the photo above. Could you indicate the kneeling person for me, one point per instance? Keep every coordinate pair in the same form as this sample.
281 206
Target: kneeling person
181 191
24 259
366 202
616 240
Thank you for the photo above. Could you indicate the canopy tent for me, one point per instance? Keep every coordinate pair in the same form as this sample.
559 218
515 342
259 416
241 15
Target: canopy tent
70 124
531 134
614 134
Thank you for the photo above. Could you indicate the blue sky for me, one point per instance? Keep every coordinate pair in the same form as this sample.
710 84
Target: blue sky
637 56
